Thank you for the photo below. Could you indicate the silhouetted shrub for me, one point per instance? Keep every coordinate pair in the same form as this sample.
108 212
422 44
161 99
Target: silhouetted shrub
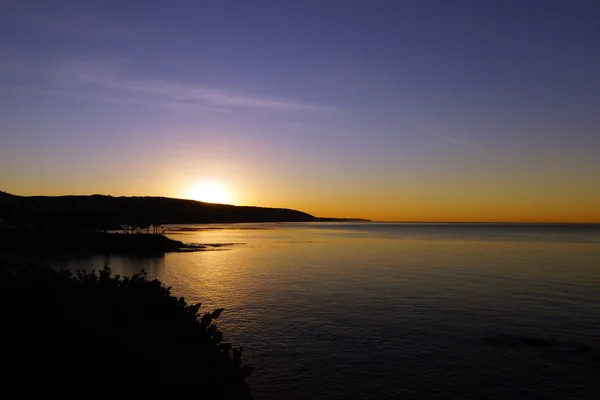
94 334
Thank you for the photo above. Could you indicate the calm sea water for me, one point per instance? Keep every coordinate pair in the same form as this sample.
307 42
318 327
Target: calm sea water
414 311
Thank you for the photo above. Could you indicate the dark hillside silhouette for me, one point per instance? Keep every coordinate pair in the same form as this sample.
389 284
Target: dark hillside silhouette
106 212
98 211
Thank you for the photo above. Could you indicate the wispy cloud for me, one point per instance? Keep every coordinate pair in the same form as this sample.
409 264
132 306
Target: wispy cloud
35 90
106 75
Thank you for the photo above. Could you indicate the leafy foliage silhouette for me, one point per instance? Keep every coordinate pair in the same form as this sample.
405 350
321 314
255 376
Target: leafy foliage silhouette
95 334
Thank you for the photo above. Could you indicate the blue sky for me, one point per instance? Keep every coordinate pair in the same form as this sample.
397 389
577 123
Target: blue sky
383 109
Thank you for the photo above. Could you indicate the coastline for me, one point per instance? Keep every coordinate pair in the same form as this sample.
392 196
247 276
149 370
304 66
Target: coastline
91 243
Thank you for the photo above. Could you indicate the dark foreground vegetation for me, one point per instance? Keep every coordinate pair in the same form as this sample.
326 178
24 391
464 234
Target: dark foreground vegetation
95 335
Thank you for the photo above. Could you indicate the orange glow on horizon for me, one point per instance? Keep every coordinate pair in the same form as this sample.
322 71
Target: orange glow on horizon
409 205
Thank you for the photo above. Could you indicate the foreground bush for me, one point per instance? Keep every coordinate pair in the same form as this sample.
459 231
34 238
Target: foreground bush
94 334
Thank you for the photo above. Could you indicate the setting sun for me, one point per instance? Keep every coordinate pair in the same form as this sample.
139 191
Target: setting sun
210 193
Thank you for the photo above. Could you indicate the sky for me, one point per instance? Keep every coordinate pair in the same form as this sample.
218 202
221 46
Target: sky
389 110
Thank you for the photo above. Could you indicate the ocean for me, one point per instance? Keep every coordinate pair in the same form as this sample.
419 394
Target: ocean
385 311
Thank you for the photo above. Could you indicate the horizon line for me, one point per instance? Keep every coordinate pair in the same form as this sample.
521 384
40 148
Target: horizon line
359 219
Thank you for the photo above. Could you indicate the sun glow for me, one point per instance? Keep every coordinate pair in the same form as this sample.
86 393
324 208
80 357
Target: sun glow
210 192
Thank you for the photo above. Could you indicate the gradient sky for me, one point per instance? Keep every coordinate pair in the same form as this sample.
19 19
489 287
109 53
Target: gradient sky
390 110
